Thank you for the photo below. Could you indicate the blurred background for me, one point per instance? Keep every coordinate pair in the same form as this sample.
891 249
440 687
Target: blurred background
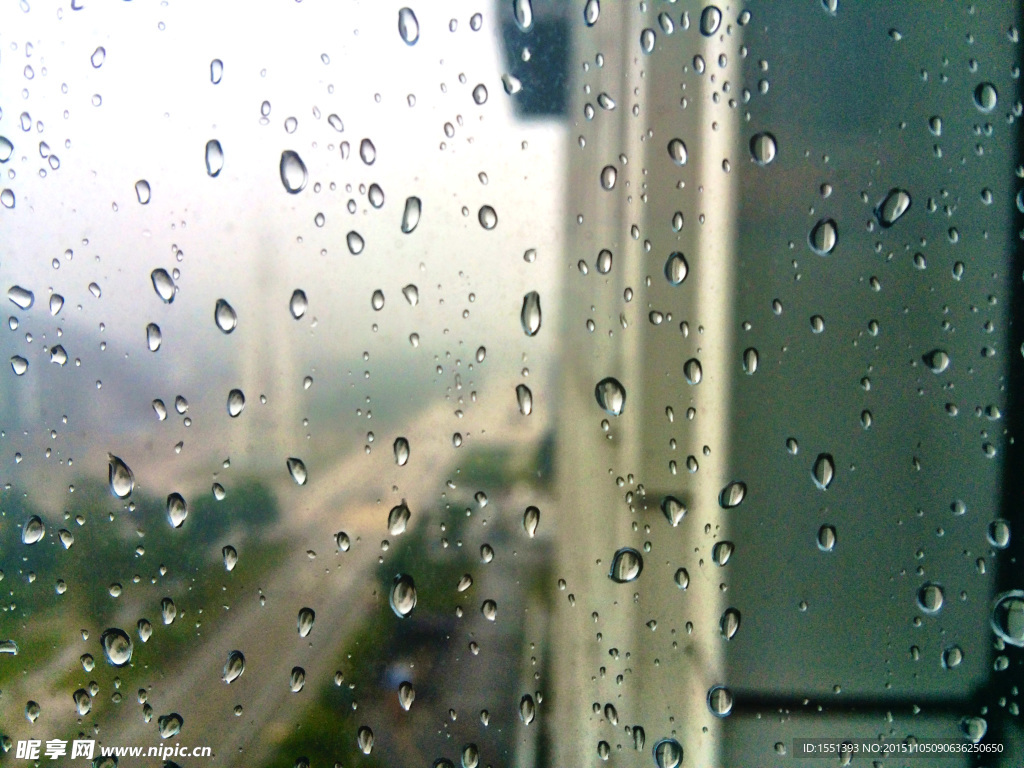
510 383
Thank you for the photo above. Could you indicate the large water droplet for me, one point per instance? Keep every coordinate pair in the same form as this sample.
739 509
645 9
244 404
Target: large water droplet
411 214
668 754
524 398
673 509
677 151
531 519
627 563
230 555
305 621
762 148
355 243
729 623
896 203
233 667
297 470
470 756
236 402
488 217
608 175
297 679
527 709
56 304
21 297
168 611
364 740
591 12
7 198
710 20
398 519
1008 617
98 57
721 552
6 149
403 595
143 191
19 365
177 510
676 268
83 702
367 151
693 371
480 94
930 597
530 315
937 360
120 477
214 158
826 538
720 701
986 97
406 695
647 40
732 495
298 304
375 195
611 396
823 471
216 71
408 26
974 728
401 449
117 646
293 172
33 530
522 10
163 285
224 316
823 237
154 337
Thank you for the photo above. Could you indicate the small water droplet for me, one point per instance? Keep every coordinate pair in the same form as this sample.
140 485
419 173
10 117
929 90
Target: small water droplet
673 509
710 20
763 148
153 337
470 756
215 158
488 217
522 11
732 495
647 40
236 402
364 740
986 97
305 621
937 360
297 470
406 695
143 191
627 563
7 198
530 315
343 542
117 647
177 510
230 555
591 12
297 679
6 149
750 361
293 172
355 243
608 175
216 71
398 519
367 152
120 477
693 371
511 84
823 237
33 530
411 214
56 304
401 448
729 623
298 304
531 519
930 598
527 709
823 471
98 57
896 203
408 26
83 702
163 285
524 397
826 538
403 595
224 316
720 701
611 396
21 297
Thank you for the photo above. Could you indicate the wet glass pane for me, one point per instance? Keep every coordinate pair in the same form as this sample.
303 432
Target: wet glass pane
510 383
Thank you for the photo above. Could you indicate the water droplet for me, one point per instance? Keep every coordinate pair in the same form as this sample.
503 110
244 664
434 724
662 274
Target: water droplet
355 243
305 621
230 555
608 175
522 10
673 509
401 448
297 470
367 151
236 402
6 149
823 237
749 361
297 679
531 519
142 191
676 268
298 304
666 23
591 12
720 701
480 94
530 315
986 97
668 754
364 739
168 611
408 26
721 552
120 477
930 597
470 756
974 728
647 40
403 595
98 57
7 198
117 647
511 84
826 538
177 510
293 172
233 667
33 530
937 360
896 203
823 471
952 656
215 158
216 71
56 304
21 297
375 195
343 542
763 148
677 150
935 125
398 519
1008 617
527 709
83 701
160 410
163 285
19 365
489 610
627 564
710 20
153 337
224 315
729 623
487 217
732 495
411 215
524 397
58 354
692 371
611 396
406 695
998 533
